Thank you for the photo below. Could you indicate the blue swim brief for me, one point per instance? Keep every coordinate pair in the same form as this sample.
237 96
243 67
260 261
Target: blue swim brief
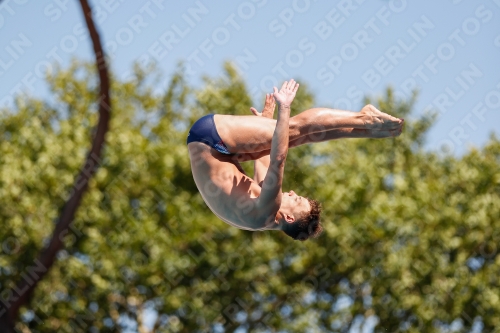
204 131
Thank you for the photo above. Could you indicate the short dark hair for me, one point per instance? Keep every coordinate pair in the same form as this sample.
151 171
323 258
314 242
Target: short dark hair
306 226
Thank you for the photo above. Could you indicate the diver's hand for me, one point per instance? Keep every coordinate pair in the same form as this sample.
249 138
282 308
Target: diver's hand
269 106
286 95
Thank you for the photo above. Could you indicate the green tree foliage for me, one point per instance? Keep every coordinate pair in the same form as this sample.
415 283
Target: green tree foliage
410 236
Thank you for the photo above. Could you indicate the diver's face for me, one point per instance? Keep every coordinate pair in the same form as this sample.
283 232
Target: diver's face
294 205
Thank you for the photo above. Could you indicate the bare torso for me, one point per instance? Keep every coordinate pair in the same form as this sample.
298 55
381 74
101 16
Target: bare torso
227 191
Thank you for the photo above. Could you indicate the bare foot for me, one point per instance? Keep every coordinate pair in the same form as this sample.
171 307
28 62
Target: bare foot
375 119
269 107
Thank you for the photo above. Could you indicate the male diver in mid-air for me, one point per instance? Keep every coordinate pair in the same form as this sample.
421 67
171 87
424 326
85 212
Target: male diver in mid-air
217 143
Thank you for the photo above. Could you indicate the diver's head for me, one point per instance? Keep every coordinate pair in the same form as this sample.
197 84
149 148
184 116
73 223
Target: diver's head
299 217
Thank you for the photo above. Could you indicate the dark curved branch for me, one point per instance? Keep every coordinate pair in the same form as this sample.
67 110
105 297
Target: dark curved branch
21 295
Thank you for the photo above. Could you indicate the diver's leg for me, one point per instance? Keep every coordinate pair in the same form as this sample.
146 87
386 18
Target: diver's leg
340 133
248 134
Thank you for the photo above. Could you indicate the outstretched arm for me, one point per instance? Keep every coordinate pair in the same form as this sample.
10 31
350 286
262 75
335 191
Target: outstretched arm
262 164
269 201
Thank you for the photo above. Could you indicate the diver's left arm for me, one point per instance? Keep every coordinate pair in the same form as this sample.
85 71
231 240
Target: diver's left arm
269 200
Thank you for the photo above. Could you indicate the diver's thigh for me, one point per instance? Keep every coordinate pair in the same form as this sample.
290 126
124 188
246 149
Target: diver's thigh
245 133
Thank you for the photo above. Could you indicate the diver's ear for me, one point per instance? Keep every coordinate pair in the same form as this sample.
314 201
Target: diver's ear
289 218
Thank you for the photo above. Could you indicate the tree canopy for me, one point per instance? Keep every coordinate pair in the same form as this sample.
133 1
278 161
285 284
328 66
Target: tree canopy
410 241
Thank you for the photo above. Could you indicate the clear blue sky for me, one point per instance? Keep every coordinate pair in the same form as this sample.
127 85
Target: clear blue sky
448 49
